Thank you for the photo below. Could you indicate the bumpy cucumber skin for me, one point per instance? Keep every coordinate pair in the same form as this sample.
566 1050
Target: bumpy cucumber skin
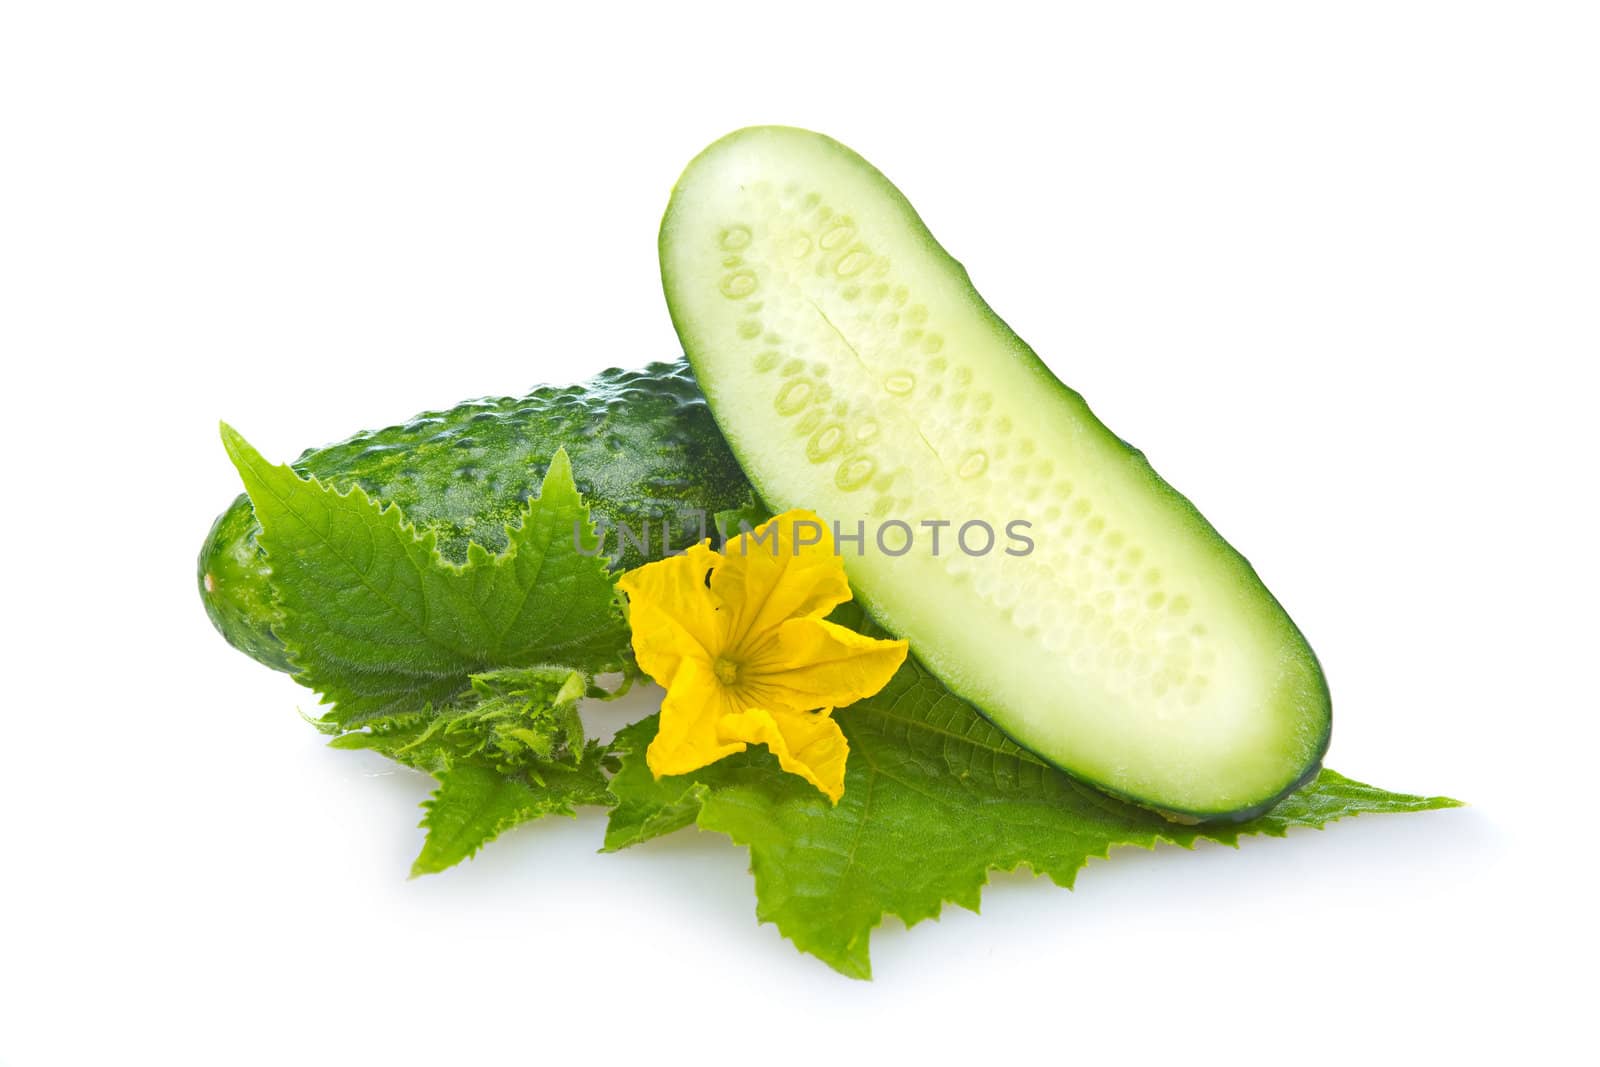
236 586
642 444
1046 376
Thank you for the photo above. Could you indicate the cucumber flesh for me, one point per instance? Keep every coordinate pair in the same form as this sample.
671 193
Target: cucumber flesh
854 370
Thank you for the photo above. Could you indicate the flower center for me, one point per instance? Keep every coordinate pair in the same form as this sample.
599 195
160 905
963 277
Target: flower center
726 670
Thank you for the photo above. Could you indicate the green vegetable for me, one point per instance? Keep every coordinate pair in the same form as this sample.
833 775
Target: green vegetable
470 671
643 447
935 798
855 371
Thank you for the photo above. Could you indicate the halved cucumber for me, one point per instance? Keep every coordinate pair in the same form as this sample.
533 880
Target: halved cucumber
856 371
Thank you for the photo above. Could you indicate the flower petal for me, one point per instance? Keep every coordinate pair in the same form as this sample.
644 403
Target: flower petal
673 614
687 738
817 664
767 577
807 743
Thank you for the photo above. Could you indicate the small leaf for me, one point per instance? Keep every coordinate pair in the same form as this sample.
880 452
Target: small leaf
474 804
742 519
647 806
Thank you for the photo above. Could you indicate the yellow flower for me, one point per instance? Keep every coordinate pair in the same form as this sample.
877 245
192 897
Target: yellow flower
738 641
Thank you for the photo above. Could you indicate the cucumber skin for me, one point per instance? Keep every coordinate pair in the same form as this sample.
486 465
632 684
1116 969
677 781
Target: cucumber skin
1046 376
642 444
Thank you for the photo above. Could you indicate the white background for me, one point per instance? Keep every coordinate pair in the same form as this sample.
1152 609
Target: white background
1335 268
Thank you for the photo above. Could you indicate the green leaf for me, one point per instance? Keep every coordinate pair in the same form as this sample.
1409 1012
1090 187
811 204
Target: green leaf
381 625
646 806
475 804
935 798
747 516
510 751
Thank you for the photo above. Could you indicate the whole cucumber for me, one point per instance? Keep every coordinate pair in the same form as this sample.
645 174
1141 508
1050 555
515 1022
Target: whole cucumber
643 447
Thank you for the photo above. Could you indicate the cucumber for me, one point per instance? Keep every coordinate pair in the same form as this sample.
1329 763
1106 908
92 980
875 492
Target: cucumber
855 371
643 446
